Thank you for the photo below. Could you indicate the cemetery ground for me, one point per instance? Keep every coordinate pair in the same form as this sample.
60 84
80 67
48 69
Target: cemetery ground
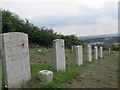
101 73
0 76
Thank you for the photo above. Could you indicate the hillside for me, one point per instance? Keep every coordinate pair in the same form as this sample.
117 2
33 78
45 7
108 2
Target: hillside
98 36
105 40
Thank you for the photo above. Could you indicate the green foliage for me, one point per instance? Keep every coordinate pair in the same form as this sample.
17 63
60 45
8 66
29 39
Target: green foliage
40 36
71 40
114 47
107 40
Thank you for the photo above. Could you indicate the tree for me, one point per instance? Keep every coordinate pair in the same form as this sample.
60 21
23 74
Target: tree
40 36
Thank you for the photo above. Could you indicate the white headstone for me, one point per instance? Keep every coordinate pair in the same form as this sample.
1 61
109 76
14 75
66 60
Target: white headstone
109 50
72 48
89 51
0 41
79 57
101 52
96 52
1 63
59 54
85 48
16 62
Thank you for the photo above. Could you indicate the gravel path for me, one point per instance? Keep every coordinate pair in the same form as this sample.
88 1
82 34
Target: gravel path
102 74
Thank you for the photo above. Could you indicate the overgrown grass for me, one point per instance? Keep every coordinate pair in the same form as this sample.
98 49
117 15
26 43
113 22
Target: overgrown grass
59 77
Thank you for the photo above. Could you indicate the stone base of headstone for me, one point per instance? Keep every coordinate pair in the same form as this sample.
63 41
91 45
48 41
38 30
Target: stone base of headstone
45 76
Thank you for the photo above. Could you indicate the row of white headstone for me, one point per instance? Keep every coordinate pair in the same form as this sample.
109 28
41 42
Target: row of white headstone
60 54
16 62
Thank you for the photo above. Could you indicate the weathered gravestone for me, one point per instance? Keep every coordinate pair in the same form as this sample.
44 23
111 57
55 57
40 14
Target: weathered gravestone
72 48
89 53
109 50
59 54
16 62
96 52
101 52
79 57
85 48
0 47
1 63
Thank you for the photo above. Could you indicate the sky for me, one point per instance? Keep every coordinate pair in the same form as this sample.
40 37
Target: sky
79 17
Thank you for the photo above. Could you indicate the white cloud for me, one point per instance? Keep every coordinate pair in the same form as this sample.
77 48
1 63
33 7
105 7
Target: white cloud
101 11
33 10
39 8
103 27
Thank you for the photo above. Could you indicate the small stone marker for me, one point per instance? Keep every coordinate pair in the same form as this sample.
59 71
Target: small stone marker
59 54
89 50
79 57
101 52
113 51
15 59
96 52
109 50
39 50
45 76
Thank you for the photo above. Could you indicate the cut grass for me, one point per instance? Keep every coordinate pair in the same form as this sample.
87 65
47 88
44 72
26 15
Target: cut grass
59 77
47 63
0 77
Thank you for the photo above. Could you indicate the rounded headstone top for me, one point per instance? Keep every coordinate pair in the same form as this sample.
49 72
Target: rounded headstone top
78 46
58 40
14 33
44 72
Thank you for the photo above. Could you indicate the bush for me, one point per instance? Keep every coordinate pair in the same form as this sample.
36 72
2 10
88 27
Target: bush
32 45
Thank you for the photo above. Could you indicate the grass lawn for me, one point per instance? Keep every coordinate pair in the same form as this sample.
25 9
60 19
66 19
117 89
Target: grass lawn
45 61
0 77
59 77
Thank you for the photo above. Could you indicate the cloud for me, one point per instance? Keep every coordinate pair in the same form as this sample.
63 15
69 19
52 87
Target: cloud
103 27
110 9
87 16
80 17
41 9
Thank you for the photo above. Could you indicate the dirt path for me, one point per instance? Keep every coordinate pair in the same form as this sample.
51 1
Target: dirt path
102 74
